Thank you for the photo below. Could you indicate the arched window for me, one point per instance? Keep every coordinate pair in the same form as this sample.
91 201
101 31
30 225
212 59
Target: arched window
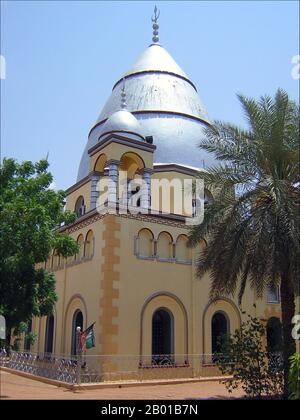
219 330
273 294
274 335
77 322
80 241
89 244
145 243
162 337
27 340
49 335
165 246
183 253
80 206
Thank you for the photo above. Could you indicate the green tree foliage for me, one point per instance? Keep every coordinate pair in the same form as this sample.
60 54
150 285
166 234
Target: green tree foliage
243 357
29 336
294 377
30 213
252 226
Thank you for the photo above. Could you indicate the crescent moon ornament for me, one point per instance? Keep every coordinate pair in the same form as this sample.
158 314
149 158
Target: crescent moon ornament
155 25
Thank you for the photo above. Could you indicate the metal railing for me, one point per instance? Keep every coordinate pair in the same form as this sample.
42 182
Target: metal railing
111 368
44 365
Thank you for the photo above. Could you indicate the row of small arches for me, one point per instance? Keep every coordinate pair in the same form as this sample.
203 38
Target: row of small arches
165 247
86 251
132 164
129 161
86 246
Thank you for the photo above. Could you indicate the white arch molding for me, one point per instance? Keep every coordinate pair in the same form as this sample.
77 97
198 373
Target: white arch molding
225 306
76 302
174 305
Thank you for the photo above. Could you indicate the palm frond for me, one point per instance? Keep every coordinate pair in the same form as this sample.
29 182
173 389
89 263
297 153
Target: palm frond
254 218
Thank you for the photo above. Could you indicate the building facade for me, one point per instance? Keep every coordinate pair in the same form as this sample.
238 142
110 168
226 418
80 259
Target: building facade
134 275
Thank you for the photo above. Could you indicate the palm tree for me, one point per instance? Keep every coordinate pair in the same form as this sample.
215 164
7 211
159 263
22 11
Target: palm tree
252 226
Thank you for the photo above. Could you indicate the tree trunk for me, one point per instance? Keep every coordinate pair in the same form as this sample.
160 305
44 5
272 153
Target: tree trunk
287 311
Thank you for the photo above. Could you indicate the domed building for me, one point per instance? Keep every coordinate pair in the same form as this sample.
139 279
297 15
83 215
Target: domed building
134 276
165 102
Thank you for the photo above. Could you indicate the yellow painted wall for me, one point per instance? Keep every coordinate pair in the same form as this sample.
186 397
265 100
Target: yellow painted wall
85 191
119 290
160 201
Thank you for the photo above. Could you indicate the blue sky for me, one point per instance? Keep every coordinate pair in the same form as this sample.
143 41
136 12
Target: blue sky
63 57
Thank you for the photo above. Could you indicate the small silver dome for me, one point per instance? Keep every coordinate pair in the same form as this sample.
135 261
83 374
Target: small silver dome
122 122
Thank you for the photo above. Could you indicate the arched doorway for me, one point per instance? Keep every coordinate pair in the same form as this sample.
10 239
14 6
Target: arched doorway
162 337
219 329
49 334
274 335
77 322
274 344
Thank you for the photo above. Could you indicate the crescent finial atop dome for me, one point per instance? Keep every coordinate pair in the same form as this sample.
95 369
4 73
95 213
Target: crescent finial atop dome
155 26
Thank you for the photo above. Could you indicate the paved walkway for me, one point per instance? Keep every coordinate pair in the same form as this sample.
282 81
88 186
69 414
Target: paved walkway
17 387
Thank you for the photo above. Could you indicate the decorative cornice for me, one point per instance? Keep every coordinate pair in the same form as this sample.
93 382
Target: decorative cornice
114 138
145 171
85 220
173 167
160 218
168 220
121 131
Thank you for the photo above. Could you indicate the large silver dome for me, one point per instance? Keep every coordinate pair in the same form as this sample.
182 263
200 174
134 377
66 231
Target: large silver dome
166 104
